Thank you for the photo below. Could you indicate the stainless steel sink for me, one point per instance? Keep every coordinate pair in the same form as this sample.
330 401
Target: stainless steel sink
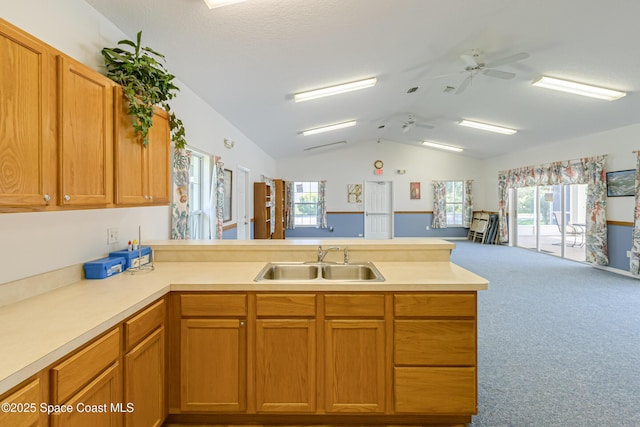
280 271
357 272
350 272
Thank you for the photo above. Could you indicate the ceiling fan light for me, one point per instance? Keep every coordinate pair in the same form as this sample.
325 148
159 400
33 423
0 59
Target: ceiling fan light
442 146
578 88
328 128
212 4
334 90
487 127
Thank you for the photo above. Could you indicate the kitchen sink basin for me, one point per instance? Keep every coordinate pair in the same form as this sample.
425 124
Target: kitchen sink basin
277 271
349 272
357 272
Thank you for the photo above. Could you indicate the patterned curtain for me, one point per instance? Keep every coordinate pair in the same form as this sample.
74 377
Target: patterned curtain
467 207
289 197
180 202
588 171
322 205
634 260
216 200
439 204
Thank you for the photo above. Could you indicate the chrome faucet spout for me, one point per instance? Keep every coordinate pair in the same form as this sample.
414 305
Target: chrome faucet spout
323 252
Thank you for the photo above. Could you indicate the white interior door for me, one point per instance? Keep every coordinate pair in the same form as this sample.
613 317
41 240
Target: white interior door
378 210
242 220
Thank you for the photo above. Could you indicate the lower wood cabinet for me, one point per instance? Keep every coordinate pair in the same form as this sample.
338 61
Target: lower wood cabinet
92 404
355 365
285 356
23 408
435 353
213 365
328 354
144 368
213 352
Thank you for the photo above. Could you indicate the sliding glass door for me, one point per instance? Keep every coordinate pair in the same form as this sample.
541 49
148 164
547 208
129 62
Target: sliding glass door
551 219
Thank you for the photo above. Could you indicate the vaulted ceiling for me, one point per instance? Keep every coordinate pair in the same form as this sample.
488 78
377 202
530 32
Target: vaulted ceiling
247 60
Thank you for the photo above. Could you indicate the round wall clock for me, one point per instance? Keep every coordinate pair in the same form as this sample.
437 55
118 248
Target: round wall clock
378 164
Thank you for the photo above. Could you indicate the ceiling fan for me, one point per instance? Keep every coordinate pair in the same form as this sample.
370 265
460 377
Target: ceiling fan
477 65
410 123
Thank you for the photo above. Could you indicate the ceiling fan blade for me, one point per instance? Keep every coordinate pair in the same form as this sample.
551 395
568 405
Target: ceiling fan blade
463 85
507 60
499 74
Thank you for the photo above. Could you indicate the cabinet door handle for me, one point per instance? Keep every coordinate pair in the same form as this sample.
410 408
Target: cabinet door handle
67 197
242 323
46 197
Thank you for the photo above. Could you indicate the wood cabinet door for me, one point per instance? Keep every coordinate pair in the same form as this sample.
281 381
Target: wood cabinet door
85 103
144 382
24 409
285 365
213 365
92 406
159 159
355 365
28 130
129 157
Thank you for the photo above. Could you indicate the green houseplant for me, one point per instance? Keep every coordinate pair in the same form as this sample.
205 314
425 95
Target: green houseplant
145 83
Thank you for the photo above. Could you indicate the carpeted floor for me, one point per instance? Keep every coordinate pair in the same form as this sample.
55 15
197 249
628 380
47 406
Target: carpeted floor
558 341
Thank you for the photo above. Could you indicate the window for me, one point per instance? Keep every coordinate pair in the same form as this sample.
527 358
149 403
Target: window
455 202
305 199
197 184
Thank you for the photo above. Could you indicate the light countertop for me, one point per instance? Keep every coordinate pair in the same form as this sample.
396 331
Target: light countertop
40 330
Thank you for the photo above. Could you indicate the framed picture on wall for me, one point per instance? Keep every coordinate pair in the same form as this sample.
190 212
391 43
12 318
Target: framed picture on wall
414 190
228 186
621 183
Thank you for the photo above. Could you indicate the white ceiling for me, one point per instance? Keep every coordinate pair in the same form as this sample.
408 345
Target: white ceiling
248 59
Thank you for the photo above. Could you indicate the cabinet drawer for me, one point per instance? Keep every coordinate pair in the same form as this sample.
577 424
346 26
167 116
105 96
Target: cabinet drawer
458 304
287 305
27 397
435 390
138 327
434 342
70 375
347 305
213 305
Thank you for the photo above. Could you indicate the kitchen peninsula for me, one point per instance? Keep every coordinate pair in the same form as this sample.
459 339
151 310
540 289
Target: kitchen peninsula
236 351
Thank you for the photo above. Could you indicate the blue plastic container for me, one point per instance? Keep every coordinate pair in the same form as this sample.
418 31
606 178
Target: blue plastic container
104 267
135 258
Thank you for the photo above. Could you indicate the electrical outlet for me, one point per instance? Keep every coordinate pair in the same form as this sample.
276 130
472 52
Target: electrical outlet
113 235
628 254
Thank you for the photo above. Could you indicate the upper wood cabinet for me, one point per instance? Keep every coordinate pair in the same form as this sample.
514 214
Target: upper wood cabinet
142 173
28 126
85 107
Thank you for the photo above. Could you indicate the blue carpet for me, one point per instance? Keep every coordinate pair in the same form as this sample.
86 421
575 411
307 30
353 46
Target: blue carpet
558 341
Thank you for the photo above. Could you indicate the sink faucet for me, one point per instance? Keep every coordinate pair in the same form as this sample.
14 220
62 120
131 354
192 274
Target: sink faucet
323 253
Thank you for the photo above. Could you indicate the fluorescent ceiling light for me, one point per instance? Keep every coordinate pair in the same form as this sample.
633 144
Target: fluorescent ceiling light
212 4
334 90
442 146
488 127
315 147
578 88
328 128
